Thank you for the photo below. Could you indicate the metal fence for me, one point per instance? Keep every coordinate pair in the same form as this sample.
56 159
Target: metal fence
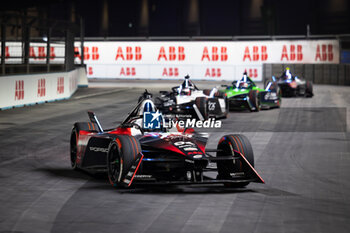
39 45
334 74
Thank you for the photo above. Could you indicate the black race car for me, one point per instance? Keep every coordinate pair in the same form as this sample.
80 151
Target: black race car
292 86
187 99
132 153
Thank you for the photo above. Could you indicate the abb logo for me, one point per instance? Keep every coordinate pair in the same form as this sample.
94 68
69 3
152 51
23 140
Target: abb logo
41 87
40 53
253 73
7 52
130 53
215 54
19 91
73 83
90 71
254 54
127 71
172 55
324 52
213 72
87 53
171 72
60 85
295 53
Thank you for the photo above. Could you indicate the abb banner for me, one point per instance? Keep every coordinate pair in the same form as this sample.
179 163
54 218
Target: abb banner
201 60
20 90
173 60
37 53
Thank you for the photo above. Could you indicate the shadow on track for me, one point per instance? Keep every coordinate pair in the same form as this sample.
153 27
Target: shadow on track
99 181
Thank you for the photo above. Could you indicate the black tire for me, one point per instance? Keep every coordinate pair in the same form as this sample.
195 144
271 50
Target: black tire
227 107
308 89
85 126
254 100
206 92
201 103
73 148
226 146
279 95
122 152
158 102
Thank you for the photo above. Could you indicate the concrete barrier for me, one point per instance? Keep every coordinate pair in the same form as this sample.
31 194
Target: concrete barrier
334 74
22 90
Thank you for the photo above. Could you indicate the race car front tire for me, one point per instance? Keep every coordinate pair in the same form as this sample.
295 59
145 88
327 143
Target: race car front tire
201 103
122 153
308 89
254 101
227 145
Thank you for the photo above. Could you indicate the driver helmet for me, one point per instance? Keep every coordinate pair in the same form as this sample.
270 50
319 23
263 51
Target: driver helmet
287 73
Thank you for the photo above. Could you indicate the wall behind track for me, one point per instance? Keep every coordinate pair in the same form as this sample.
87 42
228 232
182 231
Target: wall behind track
23 90
334 74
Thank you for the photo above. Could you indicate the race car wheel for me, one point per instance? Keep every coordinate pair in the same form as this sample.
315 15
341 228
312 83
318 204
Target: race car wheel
122 152
228 144
206 92
227 106
201 103
308 89
158 102
73 148
279 96
254 101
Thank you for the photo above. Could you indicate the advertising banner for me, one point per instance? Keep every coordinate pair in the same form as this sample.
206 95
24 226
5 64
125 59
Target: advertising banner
205 60
201 60
20 90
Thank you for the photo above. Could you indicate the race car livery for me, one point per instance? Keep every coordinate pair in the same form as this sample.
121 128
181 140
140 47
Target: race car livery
245 94
187 99
137 153
292 86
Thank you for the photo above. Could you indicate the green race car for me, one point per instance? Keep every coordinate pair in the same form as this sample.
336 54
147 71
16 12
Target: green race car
245 94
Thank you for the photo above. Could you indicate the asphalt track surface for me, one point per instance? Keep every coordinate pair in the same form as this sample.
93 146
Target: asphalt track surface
301 150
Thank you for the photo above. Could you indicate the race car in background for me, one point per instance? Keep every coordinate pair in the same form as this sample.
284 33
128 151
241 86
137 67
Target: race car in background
292 86
133 153
245 94
187 99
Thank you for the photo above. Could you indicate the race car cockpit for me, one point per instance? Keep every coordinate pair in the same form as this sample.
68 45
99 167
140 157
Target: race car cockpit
244 83
287 75
186 87
145 117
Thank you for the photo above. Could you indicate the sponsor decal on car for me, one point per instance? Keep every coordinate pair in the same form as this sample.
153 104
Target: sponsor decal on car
98 149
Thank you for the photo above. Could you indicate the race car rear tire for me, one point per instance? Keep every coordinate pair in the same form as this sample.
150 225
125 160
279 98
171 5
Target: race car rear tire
73 148
201 103
279 95
226 146
254 100
122 153
308 89
78 126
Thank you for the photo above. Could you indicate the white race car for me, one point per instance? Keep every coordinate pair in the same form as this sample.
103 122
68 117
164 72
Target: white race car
187 99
